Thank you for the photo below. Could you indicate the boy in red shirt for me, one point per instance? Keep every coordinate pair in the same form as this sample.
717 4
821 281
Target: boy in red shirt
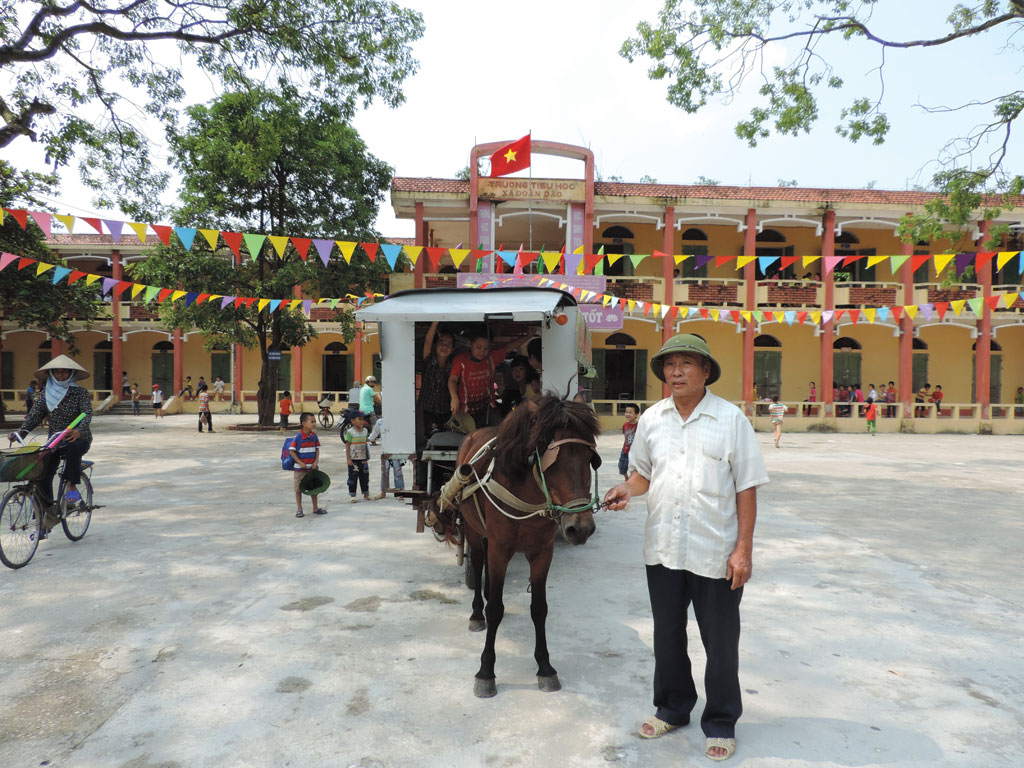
628 433
305 451
286 409
471 381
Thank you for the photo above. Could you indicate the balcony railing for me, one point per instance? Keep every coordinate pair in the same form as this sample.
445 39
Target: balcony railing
708 291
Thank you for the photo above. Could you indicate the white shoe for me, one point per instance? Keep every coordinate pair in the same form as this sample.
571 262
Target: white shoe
352 500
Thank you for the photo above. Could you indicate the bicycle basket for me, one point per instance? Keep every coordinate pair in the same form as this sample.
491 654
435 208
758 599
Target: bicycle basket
21 465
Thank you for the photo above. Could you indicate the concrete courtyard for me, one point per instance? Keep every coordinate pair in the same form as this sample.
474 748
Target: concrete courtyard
199 623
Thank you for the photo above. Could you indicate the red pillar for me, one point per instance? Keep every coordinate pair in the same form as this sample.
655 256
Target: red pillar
297 361
828 249
179 361
905 369
749 301
983 347
117 358
236 372
56 347
668 246
420 268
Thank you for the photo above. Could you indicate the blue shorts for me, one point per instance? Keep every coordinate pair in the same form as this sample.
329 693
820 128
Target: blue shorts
623 463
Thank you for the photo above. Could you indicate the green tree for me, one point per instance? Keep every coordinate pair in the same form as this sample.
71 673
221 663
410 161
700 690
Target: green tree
707 48
265 162
33 302
87 75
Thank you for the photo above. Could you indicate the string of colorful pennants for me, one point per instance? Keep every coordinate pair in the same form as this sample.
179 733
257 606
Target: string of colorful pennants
551 262
147 293
654 310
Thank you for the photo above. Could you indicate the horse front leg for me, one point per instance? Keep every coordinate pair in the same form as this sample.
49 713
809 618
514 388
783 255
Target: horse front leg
477 559
547 678
497 564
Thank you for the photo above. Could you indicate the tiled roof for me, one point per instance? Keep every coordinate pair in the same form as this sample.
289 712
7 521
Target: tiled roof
706 192
401 240
100 240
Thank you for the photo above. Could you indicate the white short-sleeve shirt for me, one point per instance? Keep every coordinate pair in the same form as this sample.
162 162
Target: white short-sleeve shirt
695 468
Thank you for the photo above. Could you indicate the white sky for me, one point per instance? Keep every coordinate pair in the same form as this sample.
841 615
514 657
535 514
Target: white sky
491 71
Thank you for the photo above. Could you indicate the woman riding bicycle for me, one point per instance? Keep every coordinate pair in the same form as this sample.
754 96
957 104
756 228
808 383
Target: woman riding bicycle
62 400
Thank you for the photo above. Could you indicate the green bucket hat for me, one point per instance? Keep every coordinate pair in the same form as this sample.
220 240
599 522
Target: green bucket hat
685 342
314 483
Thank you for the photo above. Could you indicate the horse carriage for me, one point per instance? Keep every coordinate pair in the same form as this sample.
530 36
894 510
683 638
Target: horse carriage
497 490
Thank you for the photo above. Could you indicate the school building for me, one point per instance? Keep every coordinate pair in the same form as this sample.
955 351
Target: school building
979 362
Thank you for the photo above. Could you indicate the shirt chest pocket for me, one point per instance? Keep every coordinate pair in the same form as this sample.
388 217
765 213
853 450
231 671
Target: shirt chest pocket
715 475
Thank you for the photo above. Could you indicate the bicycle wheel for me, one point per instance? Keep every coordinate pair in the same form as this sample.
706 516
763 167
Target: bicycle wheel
326 419
19 527
75 520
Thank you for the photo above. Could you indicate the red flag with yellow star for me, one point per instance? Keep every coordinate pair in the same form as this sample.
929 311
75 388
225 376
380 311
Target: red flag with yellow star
511 158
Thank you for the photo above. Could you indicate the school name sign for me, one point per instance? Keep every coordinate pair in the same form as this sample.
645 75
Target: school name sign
556 190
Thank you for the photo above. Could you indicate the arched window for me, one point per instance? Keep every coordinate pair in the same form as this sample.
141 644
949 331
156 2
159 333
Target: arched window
618 232
163 346
335 348
101 345
918 344
846 343
694 234
995 346
765 340
847 238
770 236
694 244
620 340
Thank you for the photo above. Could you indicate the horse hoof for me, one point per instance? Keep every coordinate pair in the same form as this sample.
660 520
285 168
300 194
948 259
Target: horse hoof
484 689
549 684
477 625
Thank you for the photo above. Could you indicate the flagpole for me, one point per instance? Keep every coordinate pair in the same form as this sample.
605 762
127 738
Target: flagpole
531 189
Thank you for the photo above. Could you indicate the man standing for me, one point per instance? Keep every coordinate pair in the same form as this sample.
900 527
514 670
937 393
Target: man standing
368 398
697 456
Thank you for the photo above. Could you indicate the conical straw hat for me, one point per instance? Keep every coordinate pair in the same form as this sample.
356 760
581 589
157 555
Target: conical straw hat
63 361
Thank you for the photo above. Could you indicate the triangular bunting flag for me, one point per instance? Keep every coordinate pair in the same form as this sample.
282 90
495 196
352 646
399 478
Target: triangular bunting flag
115 227
263 302
458 255
848 260
275 303
254 244
347 248
434 255
721 261
992 301
875 260
963 260
816 316
1004 257
324 248
279 243
177 295
976 305
1009 299
136 289
163 232
808 260
926 310
302 246
801 316
983 258
897 311
121 287
869 313
895 262
151 292
186 235
60 273
883 314
391 253
108 283
764 262
6 259
94 223
830 263
20 216
233 240
854 315
139 229
910 310
90 279
67 220
43 220
550 259
42 266
413 252
918 260
163 294
591 260
942 260
789 317
24 261
941 307
611 258
75 275
211 235
742 261
787 261
371 250
679 258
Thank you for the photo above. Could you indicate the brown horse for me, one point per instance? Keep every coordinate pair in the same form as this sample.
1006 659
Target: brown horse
539 484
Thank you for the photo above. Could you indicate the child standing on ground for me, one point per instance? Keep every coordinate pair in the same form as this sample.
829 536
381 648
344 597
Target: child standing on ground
357 454
871 415
777 411
628 433
286 409
135 399
204 408
158 402
305 451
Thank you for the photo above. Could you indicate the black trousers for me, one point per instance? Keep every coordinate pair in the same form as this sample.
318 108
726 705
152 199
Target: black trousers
205 416
717 608
72 453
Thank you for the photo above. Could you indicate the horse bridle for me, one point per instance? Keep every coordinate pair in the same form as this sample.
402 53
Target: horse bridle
544 462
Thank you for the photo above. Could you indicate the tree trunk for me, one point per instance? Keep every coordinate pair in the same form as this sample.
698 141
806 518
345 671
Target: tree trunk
3 408
266 397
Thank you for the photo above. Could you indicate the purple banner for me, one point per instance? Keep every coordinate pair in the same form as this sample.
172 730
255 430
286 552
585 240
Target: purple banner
601 318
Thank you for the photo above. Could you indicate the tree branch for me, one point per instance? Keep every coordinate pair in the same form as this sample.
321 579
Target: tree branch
20 125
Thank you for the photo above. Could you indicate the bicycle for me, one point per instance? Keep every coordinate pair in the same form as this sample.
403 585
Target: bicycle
324 416
23 510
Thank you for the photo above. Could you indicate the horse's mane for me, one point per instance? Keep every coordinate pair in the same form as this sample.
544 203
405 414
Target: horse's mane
532 426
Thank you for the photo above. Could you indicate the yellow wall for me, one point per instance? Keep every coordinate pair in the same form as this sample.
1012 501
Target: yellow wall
800 357
1012 342
950 360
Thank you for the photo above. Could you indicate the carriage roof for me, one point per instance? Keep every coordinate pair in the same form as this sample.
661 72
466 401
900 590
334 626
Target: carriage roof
459 304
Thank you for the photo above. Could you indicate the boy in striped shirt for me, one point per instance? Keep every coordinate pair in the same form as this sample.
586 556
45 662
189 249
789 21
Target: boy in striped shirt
776 411
305 451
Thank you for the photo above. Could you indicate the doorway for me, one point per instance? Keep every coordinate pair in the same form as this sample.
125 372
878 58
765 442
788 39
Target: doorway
995 372
767 367
335 375
102 363
163 367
